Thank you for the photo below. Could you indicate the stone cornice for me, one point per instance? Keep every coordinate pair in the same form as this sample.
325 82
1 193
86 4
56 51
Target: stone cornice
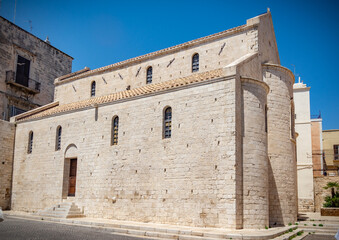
277 66
256 81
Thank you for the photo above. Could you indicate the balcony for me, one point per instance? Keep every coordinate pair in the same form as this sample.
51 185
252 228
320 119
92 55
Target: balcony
33 86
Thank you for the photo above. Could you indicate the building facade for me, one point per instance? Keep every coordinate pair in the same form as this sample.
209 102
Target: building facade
199 134
28 67
301 95
331 151
317 147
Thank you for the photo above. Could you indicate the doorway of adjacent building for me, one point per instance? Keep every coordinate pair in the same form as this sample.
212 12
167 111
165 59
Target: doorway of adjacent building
72 177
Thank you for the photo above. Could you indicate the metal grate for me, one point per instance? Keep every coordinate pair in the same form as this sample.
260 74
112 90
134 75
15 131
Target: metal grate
115 130
168 123
195 63
93 89
149 75
30 142
58 138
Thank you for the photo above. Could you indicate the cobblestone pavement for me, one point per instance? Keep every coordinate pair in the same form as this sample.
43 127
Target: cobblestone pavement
318 237
22 229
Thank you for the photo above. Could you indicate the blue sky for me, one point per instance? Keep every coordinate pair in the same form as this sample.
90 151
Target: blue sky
99 33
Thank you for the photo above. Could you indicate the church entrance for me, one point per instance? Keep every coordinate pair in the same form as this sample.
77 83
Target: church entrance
72 177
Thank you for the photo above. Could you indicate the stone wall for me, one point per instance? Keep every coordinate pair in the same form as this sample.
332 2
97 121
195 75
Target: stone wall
255 177
188 179
319 192
166 67
281 146
46 64
7 131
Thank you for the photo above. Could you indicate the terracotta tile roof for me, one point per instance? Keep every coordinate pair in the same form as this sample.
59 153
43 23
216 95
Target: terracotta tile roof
154 54
148 89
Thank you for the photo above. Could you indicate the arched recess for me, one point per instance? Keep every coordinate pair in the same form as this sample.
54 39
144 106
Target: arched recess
70 170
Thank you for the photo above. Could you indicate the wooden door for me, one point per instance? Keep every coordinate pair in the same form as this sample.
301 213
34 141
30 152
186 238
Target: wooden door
72 177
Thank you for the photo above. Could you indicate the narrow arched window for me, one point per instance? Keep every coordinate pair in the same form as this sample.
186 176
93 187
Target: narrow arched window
30 142
93 89
167 122
58 138
266 118
149 75
195 63
115 130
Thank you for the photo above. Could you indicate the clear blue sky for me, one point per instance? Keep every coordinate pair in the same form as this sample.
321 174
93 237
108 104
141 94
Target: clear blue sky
99 33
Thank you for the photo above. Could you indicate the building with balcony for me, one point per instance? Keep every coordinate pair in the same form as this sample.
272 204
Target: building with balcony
28 67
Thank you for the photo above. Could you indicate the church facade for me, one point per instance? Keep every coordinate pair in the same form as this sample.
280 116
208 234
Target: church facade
199 134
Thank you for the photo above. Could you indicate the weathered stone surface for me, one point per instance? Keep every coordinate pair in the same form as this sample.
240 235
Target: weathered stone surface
319 192
7 131
214 171
46 64
329 212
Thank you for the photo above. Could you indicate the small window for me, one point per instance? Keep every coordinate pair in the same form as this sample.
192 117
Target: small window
149 75
93 89
168 122
58 138
195 63
15 111
115 130
30 142
336 152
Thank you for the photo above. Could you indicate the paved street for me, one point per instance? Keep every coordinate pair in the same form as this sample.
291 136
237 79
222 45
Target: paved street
19 229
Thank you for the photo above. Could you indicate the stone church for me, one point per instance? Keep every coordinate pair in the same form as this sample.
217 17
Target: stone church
198 134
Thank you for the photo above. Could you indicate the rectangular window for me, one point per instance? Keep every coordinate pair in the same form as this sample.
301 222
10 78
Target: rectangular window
336 152
22 71
15 111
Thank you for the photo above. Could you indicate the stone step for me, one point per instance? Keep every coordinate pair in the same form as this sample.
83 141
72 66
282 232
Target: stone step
62 210
320 229
289 235
172 233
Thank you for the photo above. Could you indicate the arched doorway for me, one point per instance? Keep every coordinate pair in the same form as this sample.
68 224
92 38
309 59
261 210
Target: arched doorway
70 171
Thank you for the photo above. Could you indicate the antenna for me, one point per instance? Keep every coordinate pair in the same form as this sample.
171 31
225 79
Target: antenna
30 24
293 68
14 11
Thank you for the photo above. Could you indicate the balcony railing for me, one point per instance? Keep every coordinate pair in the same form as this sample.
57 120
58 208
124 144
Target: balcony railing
32 87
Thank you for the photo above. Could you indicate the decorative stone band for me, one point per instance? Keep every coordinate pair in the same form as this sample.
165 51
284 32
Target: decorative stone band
148 90
151 55
281 68
255 81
